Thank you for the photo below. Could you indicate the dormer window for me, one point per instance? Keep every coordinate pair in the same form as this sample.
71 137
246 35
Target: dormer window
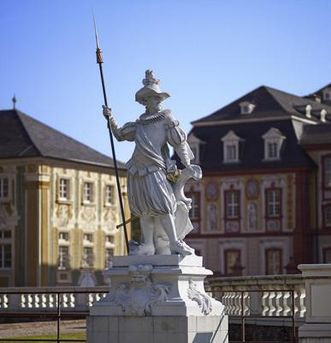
195 144
327 95
308 111
246 107
273 141
231 147
323 114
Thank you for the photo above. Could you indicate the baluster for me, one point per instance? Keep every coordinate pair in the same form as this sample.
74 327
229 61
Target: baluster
272 307
226 296
37 301
29 300
278 304
4 301
302 302
265 303
246 303
287 303
51 301
72 300
237 303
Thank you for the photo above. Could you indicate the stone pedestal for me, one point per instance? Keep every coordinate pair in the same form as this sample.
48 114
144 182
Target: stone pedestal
157 299
317 327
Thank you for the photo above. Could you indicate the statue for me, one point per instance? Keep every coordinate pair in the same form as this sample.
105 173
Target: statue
155 185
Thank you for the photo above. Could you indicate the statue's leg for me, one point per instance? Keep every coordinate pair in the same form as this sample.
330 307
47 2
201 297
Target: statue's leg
161 240
147 230
176 246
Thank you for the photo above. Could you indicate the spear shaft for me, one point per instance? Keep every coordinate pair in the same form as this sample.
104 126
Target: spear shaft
99 62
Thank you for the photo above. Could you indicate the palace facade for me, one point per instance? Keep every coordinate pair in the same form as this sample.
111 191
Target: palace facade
264 203
58 206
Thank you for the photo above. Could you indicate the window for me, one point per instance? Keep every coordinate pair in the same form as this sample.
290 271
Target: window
88 257
273 203
5 249
110 239
327 95
232 259
327 171
273 259
246 107
231 147
195 144
327 215
272 150
4 188
232 204
195 206
63 261
109 194
88 192
109 253
231 153
88 237
64 236
273 141
64 189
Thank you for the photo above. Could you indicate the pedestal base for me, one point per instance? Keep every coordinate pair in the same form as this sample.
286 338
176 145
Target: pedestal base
158 329
315 333
156 299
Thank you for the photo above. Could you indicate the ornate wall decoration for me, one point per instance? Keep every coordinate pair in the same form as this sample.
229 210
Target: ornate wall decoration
232 226
88 214
63 215
252 189
252 216
212 217
202 299
212 192
138 296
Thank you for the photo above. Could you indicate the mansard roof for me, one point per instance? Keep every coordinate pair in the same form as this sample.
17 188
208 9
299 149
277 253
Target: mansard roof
251 147
23 136
316 134
268 103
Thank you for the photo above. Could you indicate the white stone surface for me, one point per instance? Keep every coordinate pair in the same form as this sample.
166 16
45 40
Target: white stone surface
317 327
160 329
155 185
155 302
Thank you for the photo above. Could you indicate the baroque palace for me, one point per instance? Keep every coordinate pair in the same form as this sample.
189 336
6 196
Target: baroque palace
264 203
58 206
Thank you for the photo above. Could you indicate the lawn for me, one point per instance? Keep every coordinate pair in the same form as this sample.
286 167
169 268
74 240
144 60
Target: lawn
43 338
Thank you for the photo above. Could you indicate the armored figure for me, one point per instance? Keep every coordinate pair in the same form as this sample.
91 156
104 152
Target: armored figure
155 186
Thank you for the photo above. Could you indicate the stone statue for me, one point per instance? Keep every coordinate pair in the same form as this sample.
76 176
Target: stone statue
155 185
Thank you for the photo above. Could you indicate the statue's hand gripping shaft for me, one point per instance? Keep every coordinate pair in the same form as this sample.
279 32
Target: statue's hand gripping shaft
110 119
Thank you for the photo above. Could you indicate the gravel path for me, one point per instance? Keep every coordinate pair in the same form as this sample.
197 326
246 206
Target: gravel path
40 328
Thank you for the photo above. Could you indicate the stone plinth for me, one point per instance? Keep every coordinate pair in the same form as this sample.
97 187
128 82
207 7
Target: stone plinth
317 327
159 299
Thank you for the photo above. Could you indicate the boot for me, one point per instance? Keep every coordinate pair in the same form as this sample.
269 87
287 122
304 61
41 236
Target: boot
181 248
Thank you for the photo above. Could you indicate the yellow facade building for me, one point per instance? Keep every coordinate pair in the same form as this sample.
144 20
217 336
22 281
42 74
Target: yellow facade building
58 206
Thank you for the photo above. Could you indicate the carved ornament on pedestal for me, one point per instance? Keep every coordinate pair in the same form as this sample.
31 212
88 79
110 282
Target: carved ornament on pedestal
137 297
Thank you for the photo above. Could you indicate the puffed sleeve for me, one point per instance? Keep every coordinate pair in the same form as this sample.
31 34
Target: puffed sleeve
177 138
126 132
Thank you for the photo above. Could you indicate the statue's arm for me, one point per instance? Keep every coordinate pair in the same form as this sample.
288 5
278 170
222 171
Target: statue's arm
177 138
126 132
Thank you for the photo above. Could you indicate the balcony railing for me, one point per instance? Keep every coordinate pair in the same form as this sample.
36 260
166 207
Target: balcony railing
268 295
269 301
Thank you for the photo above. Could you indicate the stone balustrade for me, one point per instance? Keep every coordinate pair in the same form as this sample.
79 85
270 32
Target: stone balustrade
265 296
30 299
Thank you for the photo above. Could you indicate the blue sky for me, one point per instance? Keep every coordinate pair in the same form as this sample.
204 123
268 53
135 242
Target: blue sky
207 53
